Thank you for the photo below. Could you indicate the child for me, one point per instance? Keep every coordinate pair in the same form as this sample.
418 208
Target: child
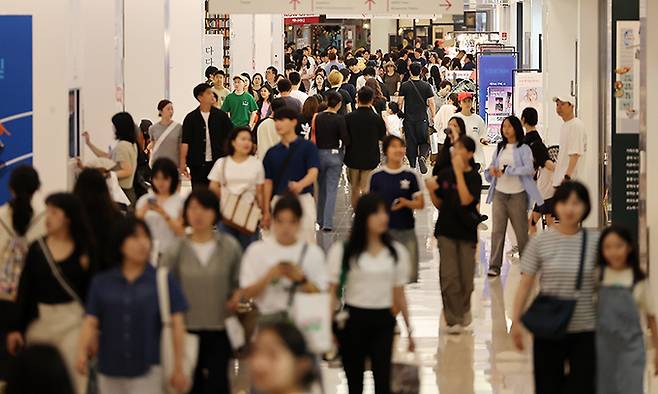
623 295
394 119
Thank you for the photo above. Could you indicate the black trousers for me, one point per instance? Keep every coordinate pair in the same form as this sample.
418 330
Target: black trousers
211 374
199 174
415 133
565 366
368 334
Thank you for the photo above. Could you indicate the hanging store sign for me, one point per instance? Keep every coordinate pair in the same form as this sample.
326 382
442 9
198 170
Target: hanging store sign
301 19
212 52
392 8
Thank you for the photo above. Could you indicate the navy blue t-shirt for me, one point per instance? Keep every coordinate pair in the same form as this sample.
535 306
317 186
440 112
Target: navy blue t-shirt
393 184
303 159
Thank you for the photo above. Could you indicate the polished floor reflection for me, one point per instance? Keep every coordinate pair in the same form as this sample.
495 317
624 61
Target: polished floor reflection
477 362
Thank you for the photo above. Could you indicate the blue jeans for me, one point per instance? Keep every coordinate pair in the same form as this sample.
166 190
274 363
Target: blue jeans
415 132
244 239
331 165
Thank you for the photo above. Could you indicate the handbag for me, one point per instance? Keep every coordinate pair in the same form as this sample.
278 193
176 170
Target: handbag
237 212
191 341
548 316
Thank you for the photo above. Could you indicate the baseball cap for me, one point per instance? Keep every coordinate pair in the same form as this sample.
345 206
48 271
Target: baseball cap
242 77
566 98
464 95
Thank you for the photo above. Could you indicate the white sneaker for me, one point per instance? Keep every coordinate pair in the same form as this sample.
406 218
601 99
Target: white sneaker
493 273
455 330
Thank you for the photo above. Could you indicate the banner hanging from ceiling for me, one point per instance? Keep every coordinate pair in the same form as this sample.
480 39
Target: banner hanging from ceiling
364 8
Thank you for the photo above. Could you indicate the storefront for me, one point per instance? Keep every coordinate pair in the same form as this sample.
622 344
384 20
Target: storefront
320 31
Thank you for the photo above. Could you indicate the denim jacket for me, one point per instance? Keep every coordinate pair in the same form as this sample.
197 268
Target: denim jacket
523 168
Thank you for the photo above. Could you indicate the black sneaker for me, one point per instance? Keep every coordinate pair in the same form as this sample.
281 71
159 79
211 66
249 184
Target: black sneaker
422 165
493 272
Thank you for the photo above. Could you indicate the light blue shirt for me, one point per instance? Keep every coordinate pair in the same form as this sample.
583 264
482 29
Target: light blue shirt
523 168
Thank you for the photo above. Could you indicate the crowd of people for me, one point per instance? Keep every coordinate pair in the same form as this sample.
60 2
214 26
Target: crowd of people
107 272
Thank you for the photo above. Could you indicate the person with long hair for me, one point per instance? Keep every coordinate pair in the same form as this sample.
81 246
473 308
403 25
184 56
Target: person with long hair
445 66
443 116
265 102
624 298
435 79
319 84
274 266
379 101
374 269
330 135
248 87
456 130
475 126
207 265
169 130
393 118
54 283
309 109
456 193
92 190
281 362
21 222
554 257
239 173
124 153
162 207
455 64
122 322
306 71
512 188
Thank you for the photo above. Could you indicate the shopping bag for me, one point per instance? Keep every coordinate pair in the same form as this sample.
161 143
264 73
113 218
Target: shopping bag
434 143
405 374
311 315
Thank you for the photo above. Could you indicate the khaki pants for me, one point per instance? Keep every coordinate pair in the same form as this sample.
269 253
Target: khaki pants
456 272
149 383
59 325
358 182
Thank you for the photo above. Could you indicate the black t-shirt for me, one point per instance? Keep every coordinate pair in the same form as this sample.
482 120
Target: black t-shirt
330 129
347 99
365 129
351 89
539 150
353 78
415 99
379 105
453 222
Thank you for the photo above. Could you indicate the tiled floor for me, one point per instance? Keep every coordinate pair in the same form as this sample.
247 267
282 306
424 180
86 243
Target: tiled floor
483 361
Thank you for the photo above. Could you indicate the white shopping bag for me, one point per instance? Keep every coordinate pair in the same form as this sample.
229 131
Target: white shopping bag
311 314
235 332
434 142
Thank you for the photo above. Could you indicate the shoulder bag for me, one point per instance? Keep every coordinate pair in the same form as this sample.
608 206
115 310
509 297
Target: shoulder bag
237 212
548 317
160 140
190 341
12 259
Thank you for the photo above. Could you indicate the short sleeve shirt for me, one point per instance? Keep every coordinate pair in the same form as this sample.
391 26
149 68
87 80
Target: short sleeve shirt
573 141
124 151
240 108
170 146
238 178
557 257
129 320
451 223
415 104
304 157
394 184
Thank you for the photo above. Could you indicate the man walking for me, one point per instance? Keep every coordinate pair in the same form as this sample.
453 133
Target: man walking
573 142
415 97
240 105
205 131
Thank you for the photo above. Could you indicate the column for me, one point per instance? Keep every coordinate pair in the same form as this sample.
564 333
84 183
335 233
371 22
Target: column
380 29
256 43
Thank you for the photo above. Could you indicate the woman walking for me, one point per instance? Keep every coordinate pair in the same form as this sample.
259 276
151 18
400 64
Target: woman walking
329 132
475 126
54 283
513 190
370 270
207 265
165 135
558 255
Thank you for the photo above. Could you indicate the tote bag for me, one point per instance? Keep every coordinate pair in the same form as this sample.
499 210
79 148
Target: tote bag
238 212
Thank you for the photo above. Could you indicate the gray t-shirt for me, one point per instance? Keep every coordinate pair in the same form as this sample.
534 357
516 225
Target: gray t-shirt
556 257
170 147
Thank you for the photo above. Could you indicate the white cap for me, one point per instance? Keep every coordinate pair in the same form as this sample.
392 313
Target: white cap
565 98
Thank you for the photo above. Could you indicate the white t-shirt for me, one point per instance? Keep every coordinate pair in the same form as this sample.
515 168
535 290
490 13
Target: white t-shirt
300 96
394 125
262 255
267 137
240 177
545 183
476 129
360 82
206 116
509 184
160 230
371 279
441 120
573 141
204 250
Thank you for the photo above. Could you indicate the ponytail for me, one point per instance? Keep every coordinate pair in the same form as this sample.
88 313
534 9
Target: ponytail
23 182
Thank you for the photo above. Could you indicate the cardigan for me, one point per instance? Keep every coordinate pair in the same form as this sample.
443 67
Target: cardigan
524 168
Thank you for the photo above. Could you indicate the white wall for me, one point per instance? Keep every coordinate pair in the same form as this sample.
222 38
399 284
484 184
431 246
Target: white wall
256 43
379 30
144 57
50 24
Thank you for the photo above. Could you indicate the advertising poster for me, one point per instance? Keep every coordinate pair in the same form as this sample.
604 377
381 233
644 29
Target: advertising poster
495 69
529 92
15 96
627 73
499 106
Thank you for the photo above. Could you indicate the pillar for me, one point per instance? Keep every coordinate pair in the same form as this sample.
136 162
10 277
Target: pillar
256 43
380 28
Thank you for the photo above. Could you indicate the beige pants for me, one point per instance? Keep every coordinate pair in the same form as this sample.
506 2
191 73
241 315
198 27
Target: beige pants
309 214
59 325
149 383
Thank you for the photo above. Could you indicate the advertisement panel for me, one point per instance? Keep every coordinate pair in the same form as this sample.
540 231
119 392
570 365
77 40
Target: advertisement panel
15 96
495 70
529 92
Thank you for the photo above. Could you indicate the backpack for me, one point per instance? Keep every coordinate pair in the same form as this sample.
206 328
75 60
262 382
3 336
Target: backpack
12 259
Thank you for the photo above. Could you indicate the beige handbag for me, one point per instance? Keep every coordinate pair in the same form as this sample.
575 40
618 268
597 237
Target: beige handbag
237 212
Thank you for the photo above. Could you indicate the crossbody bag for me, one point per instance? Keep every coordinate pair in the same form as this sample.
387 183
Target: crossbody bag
160 140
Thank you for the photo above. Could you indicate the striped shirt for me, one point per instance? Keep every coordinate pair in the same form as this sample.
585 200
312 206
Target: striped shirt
556 257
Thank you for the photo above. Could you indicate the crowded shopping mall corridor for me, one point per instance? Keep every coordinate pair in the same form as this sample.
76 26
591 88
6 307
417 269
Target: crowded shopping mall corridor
483 359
